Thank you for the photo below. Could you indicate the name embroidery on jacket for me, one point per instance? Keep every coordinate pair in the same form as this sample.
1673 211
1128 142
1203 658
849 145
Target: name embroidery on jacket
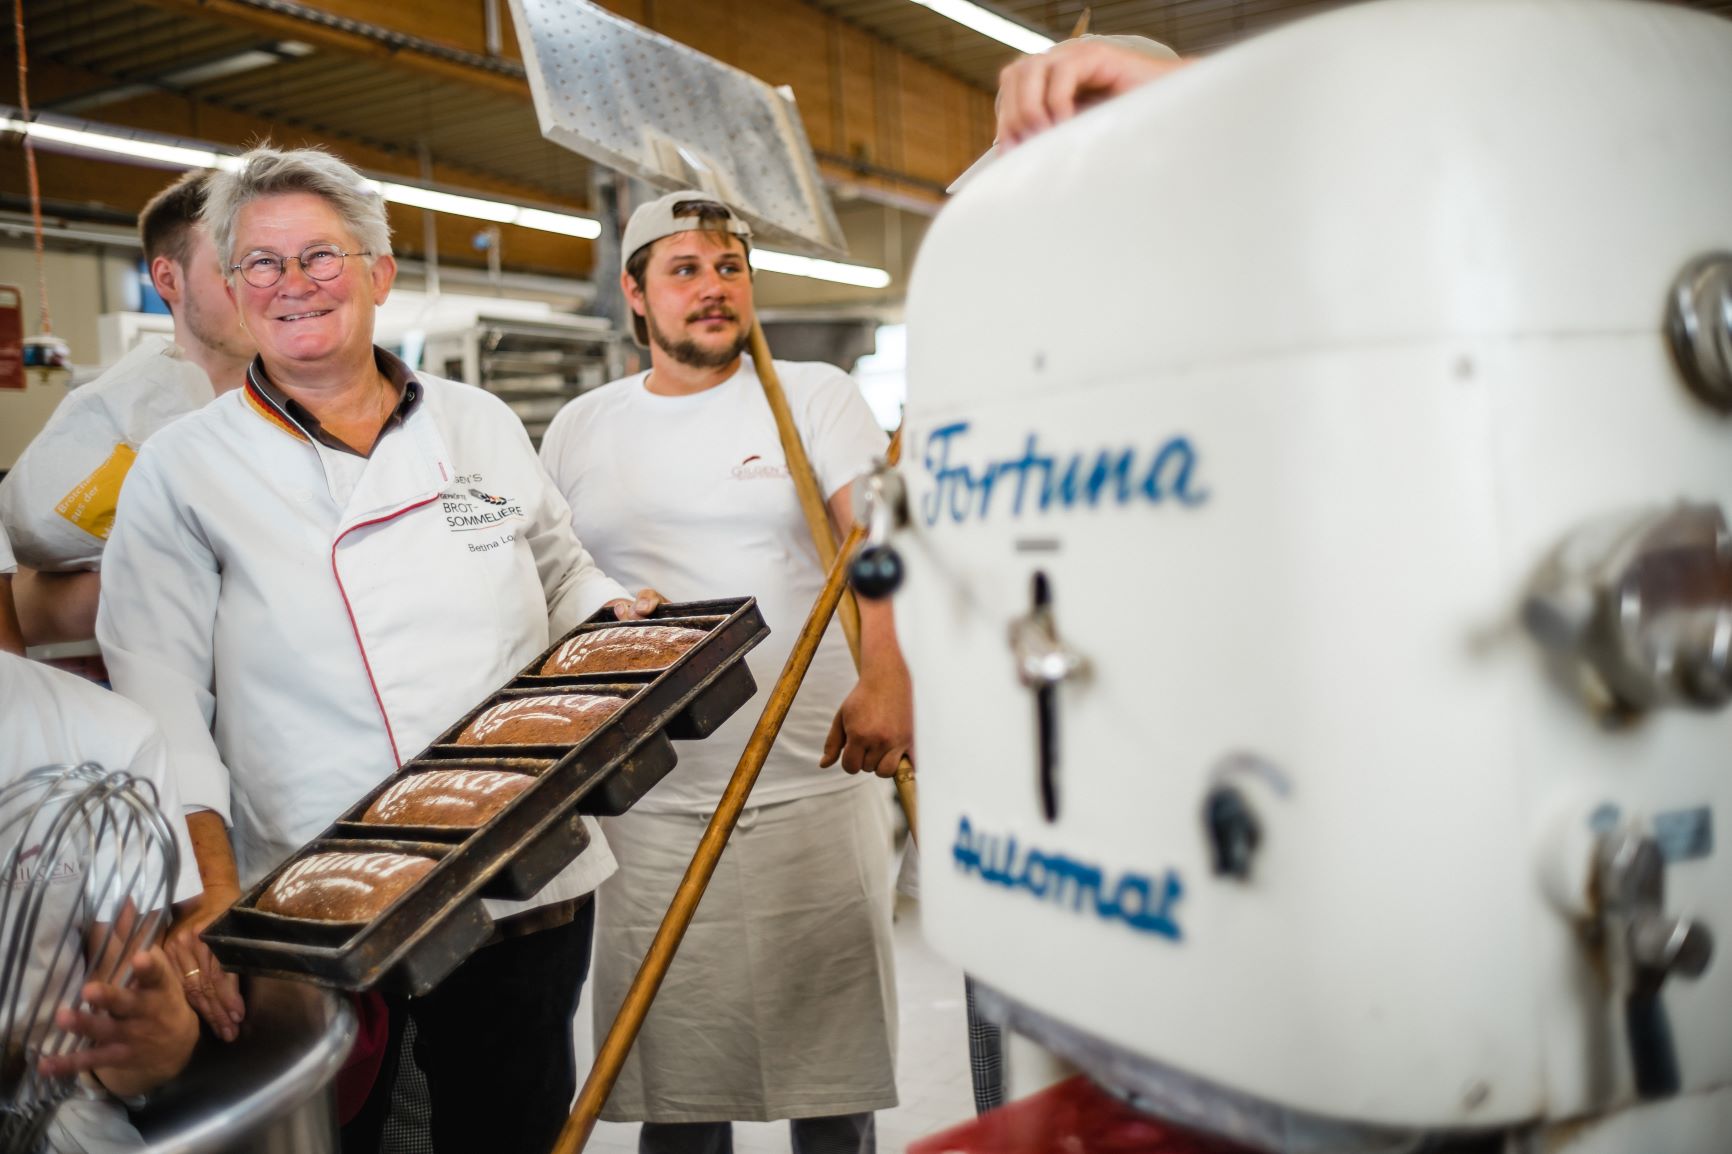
469 506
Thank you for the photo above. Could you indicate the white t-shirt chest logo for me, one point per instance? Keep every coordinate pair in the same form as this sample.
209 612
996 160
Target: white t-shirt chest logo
33 863
755 468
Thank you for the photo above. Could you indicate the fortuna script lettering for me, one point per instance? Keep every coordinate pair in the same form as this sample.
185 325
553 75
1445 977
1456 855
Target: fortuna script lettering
1141 902
1043 479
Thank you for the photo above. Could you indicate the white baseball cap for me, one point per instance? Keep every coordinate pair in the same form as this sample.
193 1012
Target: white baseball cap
656 219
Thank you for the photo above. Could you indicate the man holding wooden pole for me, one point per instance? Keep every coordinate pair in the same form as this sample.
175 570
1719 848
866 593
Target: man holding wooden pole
781 1001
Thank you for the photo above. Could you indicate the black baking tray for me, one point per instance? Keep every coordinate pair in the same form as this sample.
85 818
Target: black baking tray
436 924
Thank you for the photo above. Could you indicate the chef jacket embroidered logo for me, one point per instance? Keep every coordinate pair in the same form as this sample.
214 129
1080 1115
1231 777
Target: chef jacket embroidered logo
471 508
755 468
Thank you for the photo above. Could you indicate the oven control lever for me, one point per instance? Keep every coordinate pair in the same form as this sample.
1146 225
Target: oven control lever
1043 663
1234 831
881 506
1645 946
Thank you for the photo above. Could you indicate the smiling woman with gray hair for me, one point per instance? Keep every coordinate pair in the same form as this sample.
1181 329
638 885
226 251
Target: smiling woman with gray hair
268 172
295 590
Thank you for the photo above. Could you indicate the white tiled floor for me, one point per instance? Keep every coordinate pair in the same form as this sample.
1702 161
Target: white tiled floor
931 1071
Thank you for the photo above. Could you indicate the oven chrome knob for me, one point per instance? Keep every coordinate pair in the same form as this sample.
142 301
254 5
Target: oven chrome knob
1638 610
1699 328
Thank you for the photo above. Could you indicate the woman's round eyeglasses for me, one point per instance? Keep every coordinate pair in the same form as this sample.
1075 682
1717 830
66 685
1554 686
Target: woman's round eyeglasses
264 268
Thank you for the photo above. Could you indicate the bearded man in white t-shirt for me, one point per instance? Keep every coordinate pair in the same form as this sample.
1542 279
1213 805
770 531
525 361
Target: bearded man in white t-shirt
781 1002
58 501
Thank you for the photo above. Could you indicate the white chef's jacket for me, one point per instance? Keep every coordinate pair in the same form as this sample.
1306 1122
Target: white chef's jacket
300 620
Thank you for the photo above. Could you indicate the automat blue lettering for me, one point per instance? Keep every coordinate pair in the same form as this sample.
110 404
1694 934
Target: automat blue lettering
1139 901
1117 476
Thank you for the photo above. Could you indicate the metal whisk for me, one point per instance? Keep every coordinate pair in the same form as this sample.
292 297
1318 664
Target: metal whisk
86 881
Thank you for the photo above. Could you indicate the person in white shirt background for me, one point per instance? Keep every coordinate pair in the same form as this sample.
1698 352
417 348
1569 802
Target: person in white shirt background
292 590
58 500
781 1002
141 1034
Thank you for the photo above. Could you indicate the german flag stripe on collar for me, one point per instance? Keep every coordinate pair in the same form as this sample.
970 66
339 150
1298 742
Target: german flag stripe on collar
262 405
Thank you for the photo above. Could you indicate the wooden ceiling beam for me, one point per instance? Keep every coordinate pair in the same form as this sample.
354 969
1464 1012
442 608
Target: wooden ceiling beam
877 116
342 32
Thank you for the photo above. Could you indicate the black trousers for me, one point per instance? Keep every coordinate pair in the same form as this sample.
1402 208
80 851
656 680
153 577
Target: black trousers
494 1040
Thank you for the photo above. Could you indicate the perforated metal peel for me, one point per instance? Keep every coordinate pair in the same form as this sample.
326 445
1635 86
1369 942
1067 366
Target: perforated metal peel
657 110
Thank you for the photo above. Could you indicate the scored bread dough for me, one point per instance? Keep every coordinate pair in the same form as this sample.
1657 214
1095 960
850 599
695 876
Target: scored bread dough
622 649
450 798
563 719
343 887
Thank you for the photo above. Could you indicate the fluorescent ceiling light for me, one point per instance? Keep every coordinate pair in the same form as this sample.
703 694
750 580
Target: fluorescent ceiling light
498 211
234 64
147 150
990 24
579 226
249 61
830 270
446 202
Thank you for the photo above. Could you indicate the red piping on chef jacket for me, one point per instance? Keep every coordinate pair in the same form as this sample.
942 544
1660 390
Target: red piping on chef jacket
356 629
